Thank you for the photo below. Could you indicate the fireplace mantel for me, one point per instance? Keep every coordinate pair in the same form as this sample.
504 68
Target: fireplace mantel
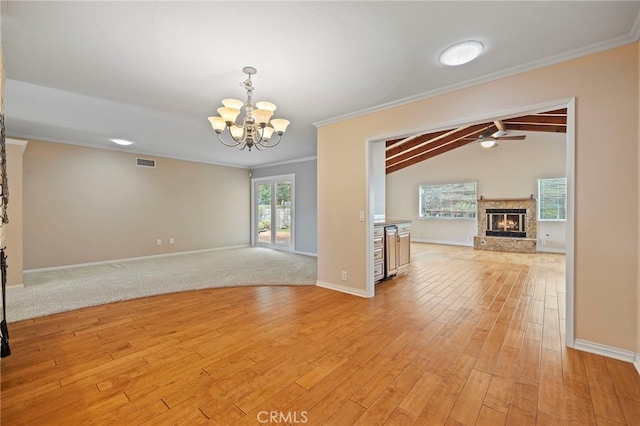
505 199
527 244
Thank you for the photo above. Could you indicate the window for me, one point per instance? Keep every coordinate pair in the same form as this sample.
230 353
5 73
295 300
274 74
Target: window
552 199
449 201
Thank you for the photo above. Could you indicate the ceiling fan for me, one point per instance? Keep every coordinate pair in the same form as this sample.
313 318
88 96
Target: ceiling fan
488 139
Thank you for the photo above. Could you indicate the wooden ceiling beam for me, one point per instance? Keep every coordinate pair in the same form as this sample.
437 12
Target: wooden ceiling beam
413 142
540 119
394 141
429 154
458 134
404 152
548 128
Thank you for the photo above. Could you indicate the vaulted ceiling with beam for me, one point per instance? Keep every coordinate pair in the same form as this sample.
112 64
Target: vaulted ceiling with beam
405 152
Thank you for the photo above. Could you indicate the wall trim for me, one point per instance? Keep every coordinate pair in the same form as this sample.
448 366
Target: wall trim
304 253
551 250
468 244
279 163
19 142
129 259
9 287
607 351
631 37
342 289
444 242
133 153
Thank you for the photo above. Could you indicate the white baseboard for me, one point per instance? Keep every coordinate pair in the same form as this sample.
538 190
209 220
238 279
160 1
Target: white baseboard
342 288
608 351
470 244
445 242
636 363
129 259
9 287
550 250
306 253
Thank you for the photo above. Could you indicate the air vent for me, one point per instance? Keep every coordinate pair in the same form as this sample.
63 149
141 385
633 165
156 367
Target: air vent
145 162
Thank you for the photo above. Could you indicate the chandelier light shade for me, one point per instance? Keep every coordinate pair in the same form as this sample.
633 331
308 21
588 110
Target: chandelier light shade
257 127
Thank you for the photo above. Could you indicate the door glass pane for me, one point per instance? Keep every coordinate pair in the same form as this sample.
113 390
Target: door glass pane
282 225
264 213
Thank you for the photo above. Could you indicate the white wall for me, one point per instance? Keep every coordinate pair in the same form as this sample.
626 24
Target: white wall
378 179
509 170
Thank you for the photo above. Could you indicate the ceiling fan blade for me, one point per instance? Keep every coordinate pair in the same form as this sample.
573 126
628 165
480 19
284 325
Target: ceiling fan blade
512 138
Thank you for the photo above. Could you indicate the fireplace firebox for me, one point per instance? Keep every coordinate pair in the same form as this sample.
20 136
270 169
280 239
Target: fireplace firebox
506 223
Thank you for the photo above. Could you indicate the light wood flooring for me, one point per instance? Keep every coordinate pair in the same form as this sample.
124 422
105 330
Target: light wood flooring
465 338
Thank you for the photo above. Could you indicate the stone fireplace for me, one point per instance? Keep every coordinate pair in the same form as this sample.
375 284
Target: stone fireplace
507 224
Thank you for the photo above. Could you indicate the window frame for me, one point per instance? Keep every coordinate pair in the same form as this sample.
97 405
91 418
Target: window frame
474 200
540 202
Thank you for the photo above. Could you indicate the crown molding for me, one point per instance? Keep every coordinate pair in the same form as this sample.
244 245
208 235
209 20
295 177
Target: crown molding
280 163
19 142
631 37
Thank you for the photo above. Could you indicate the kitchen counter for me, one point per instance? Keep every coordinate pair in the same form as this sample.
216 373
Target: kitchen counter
389 222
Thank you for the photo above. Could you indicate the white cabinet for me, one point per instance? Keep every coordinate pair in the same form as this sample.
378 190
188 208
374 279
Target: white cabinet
378 253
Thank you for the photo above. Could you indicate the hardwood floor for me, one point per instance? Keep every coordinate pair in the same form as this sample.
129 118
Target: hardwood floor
465 338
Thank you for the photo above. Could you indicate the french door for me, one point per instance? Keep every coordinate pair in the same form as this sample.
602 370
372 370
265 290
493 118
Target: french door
272 212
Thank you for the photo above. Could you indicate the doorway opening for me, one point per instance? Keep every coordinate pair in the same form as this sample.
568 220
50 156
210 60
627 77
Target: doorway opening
372 179
272 205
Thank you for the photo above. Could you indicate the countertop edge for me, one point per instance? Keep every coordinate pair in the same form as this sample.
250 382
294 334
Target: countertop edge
390 222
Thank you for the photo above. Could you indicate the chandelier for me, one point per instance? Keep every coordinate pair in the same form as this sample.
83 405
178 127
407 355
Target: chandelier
257 128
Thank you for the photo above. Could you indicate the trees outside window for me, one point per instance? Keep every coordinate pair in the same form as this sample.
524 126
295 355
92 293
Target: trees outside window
448 201
552 199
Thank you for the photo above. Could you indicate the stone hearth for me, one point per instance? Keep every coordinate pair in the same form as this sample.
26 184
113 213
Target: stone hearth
526 244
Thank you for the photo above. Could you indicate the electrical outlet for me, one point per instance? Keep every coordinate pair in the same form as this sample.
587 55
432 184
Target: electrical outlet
172 240
344 275
158 242
361 215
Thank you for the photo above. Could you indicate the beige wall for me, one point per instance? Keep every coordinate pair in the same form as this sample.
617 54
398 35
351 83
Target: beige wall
605 86
14 229
86 205
637 363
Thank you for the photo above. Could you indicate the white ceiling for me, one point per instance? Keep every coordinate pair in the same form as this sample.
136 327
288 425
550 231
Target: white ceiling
152 72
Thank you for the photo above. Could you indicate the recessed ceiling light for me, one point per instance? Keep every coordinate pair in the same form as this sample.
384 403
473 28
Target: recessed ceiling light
461 53
122 142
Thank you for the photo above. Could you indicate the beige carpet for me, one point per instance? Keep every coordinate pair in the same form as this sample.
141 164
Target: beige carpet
50 292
